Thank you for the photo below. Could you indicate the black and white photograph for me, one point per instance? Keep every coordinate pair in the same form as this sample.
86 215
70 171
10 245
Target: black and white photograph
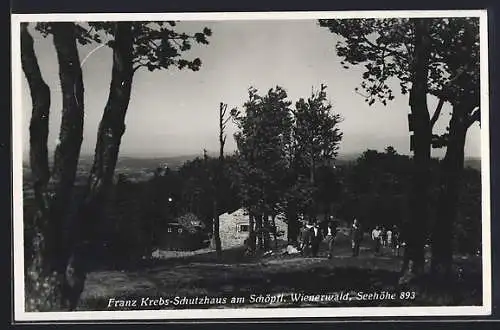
250 165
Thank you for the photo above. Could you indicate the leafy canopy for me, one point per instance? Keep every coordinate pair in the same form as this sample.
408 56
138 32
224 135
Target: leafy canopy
316 128
157 45
385 47
262 140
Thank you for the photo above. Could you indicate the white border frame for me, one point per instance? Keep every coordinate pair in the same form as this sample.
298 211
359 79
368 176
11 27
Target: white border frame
251 313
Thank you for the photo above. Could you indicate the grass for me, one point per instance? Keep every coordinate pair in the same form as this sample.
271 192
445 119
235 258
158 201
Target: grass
201 274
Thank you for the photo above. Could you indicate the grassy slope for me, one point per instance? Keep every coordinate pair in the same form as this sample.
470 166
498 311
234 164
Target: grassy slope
233 275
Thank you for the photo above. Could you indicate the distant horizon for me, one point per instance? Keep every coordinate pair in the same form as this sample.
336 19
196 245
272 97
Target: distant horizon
347 155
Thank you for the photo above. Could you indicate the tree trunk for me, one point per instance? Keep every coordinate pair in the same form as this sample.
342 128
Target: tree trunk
275 231
39 128
39 124
48 277
292 226
112 125
251 232
312 170
419 196
451 170
266 232
259 231
314 205
111 129
216 243
67 151
37 268
216 184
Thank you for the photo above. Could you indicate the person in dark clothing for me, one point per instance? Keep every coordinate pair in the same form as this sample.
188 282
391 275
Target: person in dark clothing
356 237
396 243
383 236
306 239
331 233
377 238
316 238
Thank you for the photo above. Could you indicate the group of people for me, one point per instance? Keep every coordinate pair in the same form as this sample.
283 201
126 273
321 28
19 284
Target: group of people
381 237
312 234
386 237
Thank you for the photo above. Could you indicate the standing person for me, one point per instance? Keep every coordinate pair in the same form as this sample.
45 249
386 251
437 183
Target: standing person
396 240
307 238
330 236
303 238
315 238
356 237
383 236
377 238
388 236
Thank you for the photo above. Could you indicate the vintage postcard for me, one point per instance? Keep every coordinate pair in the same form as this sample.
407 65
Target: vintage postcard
269 165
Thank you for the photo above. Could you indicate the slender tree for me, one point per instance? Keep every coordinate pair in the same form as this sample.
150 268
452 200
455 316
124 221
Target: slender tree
317 134
264 130
48 279
419 205
445 48
39 129
223 120
460 50
111 127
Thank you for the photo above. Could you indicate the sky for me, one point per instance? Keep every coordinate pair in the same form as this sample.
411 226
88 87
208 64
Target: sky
175 112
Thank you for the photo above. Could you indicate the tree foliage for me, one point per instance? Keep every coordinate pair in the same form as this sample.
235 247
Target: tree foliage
157 45
316 131
197 188
385 48
374 190
264 136
280 149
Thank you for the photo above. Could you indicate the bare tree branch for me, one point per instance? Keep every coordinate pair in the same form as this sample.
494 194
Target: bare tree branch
176 42
135 68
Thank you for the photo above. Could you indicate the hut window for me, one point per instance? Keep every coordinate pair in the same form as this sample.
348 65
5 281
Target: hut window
243 228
